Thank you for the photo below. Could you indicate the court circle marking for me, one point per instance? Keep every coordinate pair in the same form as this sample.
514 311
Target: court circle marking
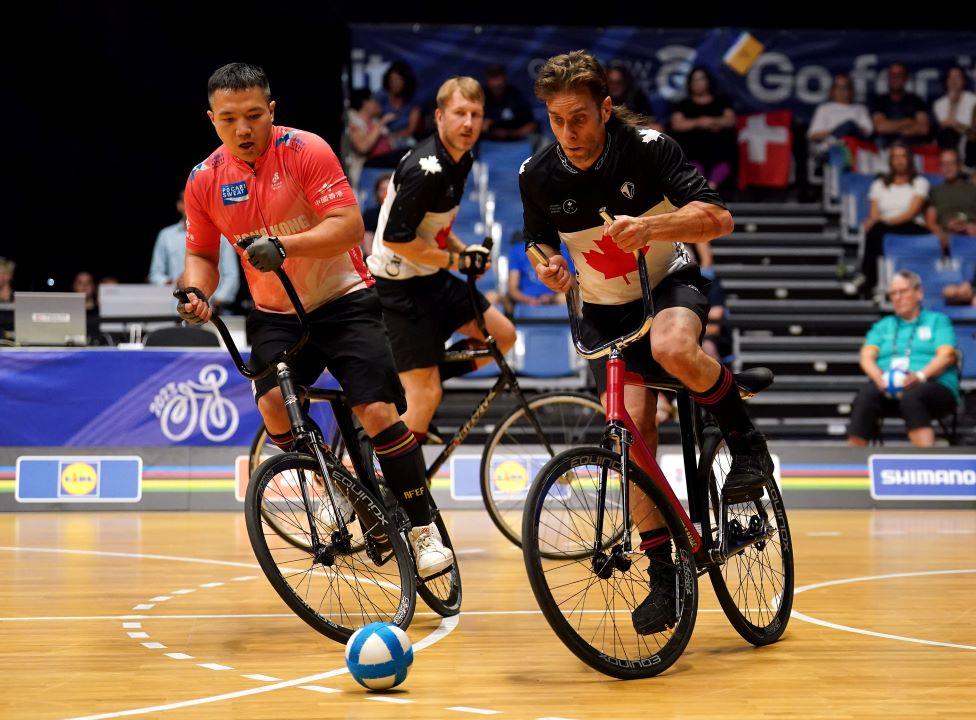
871 633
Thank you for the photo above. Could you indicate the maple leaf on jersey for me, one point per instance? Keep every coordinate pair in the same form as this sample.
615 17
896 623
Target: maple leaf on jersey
612 261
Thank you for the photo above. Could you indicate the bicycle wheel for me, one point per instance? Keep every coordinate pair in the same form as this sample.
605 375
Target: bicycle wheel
442 592
514 452
588 600
333 587
755 584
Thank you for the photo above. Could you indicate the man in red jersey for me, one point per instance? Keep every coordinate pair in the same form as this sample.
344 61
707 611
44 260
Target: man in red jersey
284 188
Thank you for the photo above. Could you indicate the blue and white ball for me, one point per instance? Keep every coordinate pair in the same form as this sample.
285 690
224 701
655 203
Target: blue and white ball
894 381
379 656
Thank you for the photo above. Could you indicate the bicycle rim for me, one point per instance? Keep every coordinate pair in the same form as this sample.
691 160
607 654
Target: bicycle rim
339 589
514 453
443 592
589 613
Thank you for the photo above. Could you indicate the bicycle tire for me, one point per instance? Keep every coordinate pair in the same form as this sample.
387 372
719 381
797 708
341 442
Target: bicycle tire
648 662
388 596
505 508
746 608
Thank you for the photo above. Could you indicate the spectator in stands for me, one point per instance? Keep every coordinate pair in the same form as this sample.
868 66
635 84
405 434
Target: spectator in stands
371 217
168 254
524 285
368 131
899 115
897 200
840 116
399 86
624 91
704 125
84 282
954 111
6 280
921 343
952 205
508 117
961 293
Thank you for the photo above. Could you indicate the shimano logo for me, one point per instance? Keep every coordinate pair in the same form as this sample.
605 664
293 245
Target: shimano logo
928 477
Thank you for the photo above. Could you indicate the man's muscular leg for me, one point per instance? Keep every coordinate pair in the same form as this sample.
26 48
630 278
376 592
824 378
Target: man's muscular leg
422 387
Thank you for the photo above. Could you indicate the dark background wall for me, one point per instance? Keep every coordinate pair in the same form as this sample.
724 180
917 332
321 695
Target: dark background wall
108 101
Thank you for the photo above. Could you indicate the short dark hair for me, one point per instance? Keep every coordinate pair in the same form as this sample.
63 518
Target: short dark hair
406 72
358 97
238 76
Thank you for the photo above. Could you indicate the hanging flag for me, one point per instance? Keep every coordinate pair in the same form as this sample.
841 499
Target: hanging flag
765 149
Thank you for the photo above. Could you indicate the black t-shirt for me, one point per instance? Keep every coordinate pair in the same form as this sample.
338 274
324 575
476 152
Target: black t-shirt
510 111
640 172
905 107
692 110
422 201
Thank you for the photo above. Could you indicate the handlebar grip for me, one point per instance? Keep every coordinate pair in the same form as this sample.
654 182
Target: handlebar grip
245 243
488 243
182 295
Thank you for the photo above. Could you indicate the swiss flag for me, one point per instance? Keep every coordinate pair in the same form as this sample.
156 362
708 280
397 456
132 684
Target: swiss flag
765 149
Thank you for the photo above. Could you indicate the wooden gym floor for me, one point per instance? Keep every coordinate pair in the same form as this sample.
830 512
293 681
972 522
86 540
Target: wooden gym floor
167 615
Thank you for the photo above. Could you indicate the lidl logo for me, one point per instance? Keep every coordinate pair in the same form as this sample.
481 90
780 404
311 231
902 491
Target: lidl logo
78 479
234 193
511 477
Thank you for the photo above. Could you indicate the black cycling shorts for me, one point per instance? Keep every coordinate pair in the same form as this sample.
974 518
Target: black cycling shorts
685 288
422 313
347 336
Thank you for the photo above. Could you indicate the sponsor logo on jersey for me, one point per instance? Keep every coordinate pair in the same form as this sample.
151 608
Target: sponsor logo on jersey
627 190
430 165
234 193
570 206
291 139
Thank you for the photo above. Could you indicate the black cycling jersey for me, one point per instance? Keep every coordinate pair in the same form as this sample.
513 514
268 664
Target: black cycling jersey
422 201
640 172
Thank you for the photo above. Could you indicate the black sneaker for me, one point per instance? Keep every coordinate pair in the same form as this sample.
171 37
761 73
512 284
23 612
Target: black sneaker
658 611
752 468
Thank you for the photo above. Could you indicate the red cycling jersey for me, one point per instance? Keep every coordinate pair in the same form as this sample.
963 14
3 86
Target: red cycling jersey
295 182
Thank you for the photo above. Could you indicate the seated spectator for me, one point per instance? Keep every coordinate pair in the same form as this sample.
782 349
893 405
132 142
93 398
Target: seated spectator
508 117
952 205
84 282
524 285
954 110
396 98
368 133
6 280
170 251
371 217
624 91
921 343
961 293
899 115
704 125
897 200
840 116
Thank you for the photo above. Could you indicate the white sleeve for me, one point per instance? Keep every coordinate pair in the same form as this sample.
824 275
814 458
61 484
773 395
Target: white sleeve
877 190
921 186
941 109
863 119
819 121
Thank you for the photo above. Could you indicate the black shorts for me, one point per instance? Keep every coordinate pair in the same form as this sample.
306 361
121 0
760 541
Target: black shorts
421 313
685 288
919 406
347 336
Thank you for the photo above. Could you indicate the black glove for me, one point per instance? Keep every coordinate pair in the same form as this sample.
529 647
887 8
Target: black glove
474 260
182 294
265 253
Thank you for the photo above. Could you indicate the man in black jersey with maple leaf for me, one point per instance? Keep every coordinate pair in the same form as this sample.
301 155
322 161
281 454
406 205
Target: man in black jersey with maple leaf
605 157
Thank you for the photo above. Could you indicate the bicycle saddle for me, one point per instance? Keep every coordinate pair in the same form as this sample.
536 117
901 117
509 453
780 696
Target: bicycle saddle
752 381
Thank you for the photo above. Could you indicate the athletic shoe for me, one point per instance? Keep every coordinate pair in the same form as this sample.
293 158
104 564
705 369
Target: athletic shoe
431 555
752 468
326 513
658 611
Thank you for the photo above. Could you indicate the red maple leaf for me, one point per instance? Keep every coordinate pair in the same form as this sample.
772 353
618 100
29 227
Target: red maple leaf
612 262
442 235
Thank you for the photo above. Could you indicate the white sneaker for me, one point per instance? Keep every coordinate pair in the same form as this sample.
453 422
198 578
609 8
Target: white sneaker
429 551
325 513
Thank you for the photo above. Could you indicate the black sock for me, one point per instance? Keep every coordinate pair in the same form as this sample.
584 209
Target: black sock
457 369
402 463
656 544
284 441
723 402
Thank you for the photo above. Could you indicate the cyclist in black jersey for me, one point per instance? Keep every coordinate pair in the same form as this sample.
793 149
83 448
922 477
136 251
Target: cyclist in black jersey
606 157
415 248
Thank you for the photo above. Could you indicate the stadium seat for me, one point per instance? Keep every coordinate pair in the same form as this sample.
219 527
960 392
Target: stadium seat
935 273
545 351
966 342
367 179
915 246
540 312
963 247
856 206
959 312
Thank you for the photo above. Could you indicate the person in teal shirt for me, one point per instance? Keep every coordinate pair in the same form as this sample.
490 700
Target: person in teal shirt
922 343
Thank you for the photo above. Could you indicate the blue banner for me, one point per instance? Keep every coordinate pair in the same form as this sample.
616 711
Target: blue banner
126 398
78 479
923 477
762 71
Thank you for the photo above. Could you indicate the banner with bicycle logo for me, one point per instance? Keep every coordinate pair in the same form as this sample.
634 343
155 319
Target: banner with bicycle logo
124 398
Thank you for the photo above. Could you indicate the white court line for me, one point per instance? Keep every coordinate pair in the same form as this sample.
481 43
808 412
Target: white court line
383 698
179 656
861 631
469 551
824 533
446 626
214 666
141 556
135 635
185 591
131 625
160 598
144 606
211 584
476 711
261 678
319 689
242 578
154 645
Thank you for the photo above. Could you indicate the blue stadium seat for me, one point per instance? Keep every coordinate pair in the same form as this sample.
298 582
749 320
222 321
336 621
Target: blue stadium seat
935 273
856 206
917 246
367 179
547 351
959 312
540 312
966 341
963 247
504 154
